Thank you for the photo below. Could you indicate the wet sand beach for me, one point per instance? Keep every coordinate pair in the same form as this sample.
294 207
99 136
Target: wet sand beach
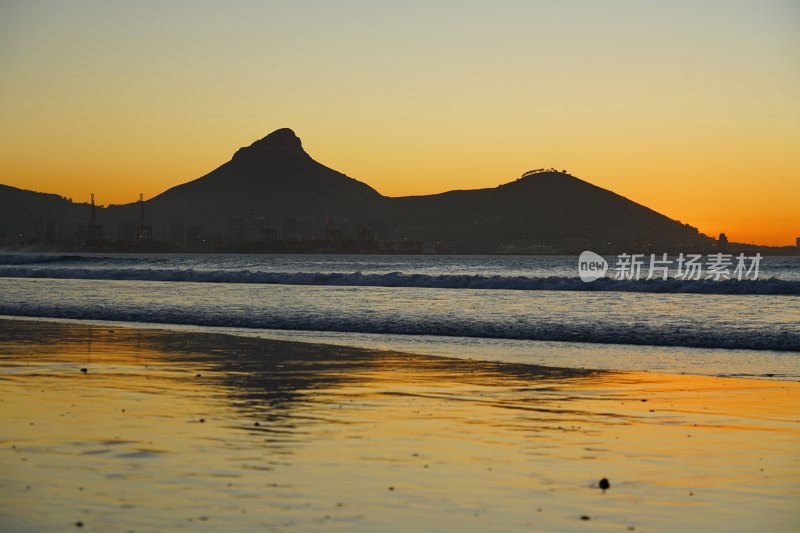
106 428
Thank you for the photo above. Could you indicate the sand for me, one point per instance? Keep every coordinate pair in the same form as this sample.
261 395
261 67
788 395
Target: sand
106 428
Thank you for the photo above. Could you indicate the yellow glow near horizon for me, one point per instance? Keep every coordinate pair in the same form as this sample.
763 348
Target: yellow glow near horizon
688 109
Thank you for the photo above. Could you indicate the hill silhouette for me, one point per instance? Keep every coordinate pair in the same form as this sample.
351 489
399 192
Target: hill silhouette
546 207
272 177
24 212
277 182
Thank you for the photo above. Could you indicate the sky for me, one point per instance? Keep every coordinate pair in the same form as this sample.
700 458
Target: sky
691 108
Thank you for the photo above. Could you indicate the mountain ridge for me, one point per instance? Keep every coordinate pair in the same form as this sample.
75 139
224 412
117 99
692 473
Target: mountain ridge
276 182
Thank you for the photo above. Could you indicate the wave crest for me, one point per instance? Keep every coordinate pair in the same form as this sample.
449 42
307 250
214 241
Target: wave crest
772 286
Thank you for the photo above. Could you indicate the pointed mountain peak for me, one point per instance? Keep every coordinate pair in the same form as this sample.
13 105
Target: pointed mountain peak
281 144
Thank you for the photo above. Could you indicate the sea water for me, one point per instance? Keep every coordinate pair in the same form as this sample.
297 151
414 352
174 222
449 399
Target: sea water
531 309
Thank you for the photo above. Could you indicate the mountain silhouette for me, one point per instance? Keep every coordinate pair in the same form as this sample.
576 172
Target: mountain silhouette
542 206
272 177
22 213
277 182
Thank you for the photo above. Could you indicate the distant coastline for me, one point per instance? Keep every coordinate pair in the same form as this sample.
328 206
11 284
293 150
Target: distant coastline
272 197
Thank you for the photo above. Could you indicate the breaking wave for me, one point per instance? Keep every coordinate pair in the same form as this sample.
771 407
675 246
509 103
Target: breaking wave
474 327
771 286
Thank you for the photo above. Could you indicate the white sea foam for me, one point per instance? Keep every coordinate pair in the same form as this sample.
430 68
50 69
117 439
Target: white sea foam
400 279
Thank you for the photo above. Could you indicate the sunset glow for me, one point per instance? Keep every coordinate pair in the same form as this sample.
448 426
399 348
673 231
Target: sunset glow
690 109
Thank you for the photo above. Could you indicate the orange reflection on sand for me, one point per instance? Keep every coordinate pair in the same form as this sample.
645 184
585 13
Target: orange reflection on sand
165 429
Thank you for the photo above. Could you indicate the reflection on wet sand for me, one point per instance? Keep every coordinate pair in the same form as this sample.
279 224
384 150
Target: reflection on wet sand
170 430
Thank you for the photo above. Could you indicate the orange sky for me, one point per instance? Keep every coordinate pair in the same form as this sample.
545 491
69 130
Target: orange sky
689 109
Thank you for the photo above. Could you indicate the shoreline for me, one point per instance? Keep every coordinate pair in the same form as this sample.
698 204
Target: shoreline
483 349
130 428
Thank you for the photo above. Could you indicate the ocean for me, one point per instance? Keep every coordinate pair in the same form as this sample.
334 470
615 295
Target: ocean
427 393
522 309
